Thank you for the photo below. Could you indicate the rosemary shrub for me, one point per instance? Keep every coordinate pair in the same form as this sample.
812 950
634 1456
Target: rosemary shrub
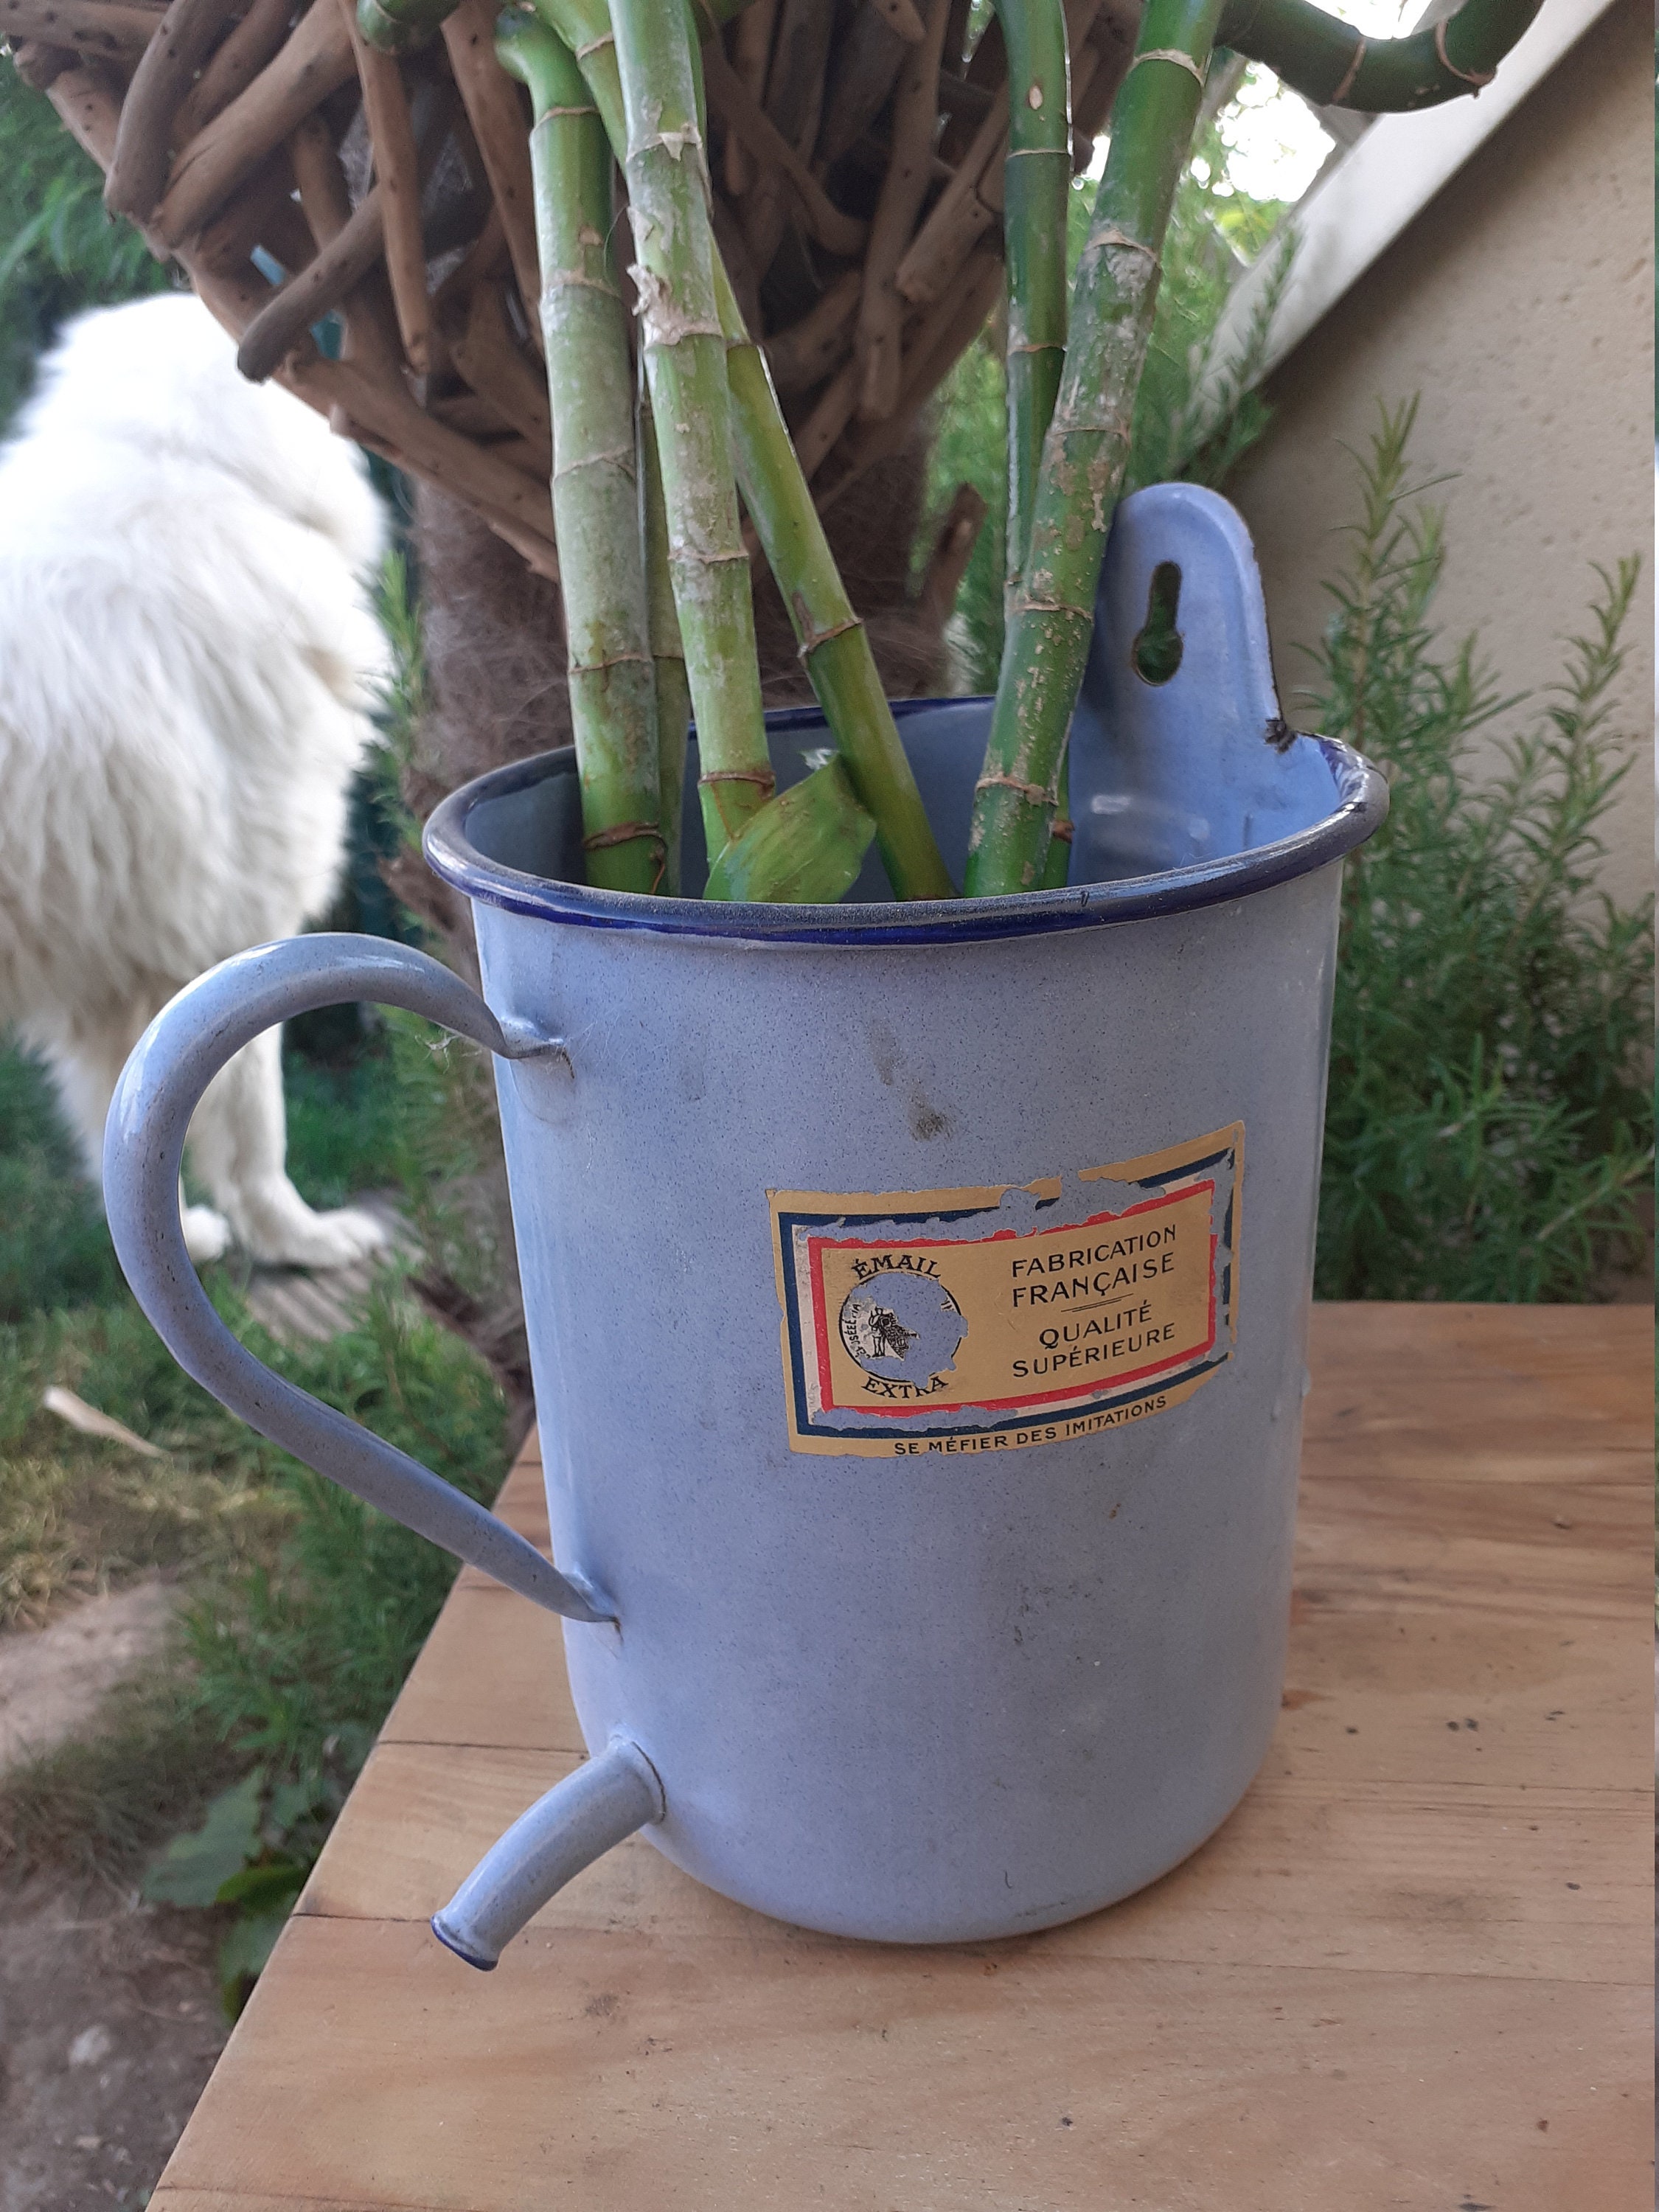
1489 1124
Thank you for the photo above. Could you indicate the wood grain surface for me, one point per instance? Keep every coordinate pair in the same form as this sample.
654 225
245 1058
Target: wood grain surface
1412 1970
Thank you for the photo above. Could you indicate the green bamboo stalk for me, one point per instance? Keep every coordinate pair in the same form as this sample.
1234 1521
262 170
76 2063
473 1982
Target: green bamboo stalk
834 647
835 650
668 652
1330 62
1037 180
1058 865
1053 614
805 847
596 513
685 366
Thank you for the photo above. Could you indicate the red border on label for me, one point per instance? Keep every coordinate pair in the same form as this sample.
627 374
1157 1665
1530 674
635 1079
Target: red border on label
816 1246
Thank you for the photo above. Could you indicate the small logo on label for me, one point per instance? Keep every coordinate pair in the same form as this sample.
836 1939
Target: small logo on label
902 1326
1024 1314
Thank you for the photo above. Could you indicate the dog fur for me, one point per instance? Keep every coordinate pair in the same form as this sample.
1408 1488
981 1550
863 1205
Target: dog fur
187 655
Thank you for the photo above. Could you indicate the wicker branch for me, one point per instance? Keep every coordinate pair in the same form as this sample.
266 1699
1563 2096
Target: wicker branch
248 46
315 62
397 177
138 169
117 34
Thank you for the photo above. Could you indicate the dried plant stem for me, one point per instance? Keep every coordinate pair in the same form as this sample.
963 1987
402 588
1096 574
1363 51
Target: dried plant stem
494 112
613 708
396 176
316 61
92 28
247 47
160 83
1051 617
904 187
685 365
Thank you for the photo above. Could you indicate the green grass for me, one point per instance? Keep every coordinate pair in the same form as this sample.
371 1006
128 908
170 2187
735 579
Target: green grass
301 1608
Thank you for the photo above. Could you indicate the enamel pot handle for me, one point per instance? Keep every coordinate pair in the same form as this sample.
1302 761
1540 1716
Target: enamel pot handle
172 1064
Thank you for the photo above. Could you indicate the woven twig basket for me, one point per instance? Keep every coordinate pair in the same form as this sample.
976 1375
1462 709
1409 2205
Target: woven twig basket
294 171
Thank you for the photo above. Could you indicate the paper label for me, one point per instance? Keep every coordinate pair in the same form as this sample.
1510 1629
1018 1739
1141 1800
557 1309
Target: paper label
982 1320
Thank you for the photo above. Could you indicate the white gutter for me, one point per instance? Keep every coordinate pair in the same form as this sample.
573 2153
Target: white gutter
1356 209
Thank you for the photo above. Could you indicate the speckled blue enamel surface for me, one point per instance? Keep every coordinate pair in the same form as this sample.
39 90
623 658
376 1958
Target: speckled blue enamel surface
938 1697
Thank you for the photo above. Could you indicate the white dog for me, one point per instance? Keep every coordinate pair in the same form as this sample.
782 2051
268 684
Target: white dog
187 652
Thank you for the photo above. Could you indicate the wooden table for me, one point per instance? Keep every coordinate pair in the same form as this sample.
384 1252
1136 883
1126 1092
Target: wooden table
1414 1969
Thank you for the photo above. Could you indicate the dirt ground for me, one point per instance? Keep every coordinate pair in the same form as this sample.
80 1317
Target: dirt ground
110 2018
110 2023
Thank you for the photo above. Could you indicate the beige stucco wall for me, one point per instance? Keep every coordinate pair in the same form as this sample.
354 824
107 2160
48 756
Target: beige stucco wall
1519 306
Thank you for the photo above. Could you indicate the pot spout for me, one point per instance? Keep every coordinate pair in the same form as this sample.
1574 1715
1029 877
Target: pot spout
578 1819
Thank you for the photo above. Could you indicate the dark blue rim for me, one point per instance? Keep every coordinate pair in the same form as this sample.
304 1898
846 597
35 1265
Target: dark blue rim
1362 803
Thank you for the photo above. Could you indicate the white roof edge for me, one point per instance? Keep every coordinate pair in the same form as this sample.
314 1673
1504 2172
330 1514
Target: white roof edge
1362 203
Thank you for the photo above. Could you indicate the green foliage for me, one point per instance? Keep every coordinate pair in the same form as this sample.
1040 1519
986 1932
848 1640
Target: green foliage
1194 418
59 252
253 1852
1488 1125
299 1662
54 1248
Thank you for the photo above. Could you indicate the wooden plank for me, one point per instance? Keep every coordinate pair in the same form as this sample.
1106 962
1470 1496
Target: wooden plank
624 2070
492 1673
1442 1878
1410 1971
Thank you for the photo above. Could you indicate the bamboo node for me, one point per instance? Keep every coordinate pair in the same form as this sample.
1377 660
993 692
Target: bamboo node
623 834
596 46
1170 54
608 459
762 779
674 142
1038 795
812 639
1352 71
615 660
1475 78
1108 236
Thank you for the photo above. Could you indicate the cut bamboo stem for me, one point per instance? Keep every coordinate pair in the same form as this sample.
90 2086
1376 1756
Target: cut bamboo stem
596 513
668 649
1051 617
685 364
834 648
1037 177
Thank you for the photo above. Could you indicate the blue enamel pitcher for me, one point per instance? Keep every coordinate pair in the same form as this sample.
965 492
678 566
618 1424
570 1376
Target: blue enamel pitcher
917 1295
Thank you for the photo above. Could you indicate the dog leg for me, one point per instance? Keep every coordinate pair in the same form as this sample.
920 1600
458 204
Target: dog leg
238 1141
85 1068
